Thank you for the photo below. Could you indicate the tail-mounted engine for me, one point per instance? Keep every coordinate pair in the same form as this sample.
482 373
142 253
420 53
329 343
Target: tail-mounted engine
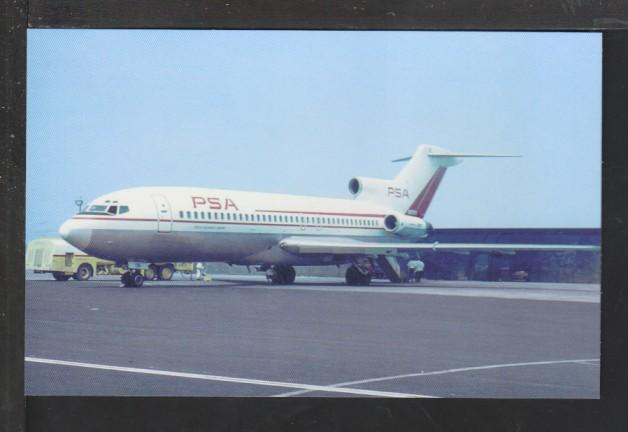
378 190
407 226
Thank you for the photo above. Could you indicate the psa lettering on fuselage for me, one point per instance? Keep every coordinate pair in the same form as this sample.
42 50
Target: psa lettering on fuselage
214 203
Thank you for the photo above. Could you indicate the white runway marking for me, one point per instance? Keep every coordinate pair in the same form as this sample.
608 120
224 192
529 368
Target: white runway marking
302 387
443 372
589 363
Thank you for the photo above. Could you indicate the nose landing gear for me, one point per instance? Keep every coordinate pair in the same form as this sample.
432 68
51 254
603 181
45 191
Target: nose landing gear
132 279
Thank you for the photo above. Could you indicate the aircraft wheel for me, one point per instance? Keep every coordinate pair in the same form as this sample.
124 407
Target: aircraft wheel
125 279
151 272
165 272
84 272
276 275
137 279
353 276
281 274
60 276
290 275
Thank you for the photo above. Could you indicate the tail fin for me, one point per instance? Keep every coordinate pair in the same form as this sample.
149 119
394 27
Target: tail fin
423 174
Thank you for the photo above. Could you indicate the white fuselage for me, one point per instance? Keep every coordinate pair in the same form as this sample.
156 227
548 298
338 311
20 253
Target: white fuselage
168 224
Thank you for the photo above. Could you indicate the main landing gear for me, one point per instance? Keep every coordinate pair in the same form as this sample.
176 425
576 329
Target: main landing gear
132 279
161 272
281 274
357 276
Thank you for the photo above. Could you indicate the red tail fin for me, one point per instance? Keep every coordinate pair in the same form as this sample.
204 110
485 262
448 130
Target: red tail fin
422 202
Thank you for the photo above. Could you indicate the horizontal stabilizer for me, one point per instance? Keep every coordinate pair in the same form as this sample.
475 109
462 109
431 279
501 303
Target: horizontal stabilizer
479 155
460 155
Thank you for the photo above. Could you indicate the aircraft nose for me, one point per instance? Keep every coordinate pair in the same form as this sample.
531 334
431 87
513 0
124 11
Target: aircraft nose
77 236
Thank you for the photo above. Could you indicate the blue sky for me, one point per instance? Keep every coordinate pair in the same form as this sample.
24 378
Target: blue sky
302 112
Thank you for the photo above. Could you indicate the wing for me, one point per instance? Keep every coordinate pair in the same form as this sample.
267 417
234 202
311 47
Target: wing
343 246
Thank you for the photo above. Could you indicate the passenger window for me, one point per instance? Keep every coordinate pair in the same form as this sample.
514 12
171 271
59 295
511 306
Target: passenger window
240 216
280 218
180 214
189 215
222 216
195 215
209 215
228 216
264 218
202 215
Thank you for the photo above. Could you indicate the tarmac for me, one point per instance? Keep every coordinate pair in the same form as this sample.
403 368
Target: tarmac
240 336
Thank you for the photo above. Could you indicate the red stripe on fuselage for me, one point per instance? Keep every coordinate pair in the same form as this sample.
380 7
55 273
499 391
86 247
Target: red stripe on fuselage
322 213
228 223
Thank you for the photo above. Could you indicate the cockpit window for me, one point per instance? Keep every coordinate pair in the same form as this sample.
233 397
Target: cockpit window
107 210
97 208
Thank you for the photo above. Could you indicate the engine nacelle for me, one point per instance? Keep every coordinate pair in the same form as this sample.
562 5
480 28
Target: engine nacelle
365 188
407 226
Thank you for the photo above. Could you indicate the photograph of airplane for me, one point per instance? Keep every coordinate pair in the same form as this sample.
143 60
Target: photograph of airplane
313 214
383 222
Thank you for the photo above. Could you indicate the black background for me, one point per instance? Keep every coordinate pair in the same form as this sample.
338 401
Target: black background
308 414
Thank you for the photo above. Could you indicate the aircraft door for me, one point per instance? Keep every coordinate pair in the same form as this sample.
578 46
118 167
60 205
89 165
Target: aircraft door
164 213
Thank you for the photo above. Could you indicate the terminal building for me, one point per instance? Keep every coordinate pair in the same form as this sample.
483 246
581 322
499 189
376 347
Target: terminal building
578 267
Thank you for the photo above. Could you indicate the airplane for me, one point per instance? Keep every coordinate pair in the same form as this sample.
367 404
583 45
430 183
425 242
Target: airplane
382 225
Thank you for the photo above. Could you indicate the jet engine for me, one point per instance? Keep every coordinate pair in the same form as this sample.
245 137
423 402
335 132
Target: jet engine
364 187
407 226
